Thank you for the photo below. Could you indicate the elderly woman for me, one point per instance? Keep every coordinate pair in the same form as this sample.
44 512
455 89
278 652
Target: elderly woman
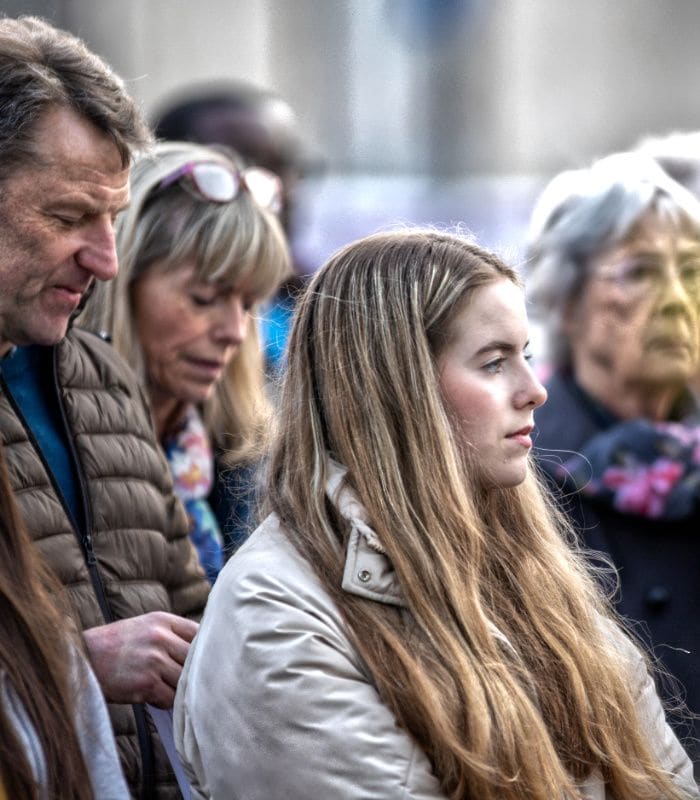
199 249
614 270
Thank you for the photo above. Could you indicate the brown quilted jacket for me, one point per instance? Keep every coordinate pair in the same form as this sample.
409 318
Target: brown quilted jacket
138 529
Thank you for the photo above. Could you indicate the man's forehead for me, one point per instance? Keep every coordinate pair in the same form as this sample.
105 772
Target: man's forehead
64 137
75 169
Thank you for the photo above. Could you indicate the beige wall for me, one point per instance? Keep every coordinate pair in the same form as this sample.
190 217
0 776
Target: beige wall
511 86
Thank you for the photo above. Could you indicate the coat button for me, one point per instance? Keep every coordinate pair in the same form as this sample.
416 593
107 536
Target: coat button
657 597
364 575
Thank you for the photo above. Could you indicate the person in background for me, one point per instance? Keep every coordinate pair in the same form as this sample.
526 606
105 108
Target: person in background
56 735
678 154
91 482
410 621
200 249
614 274
262 127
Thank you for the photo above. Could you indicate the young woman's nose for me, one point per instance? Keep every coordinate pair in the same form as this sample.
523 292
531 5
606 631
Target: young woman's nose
98 253
532 392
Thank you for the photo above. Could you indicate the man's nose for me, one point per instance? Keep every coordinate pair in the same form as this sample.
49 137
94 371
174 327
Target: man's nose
98 253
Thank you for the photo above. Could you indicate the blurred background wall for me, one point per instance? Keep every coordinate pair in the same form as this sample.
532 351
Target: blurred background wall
427 111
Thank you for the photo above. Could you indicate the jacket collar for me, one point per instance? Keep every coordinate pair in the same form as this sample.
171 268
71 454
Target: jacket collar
368 572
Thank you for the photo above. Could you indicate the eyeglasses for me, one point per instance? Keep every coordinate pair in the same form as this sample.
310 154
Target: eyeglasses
643 275
218 183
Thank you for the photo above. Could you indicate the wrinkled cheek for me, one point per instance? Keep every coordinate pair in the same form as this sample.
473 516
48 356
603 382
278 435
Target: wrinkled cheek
696 336
160 366
617 329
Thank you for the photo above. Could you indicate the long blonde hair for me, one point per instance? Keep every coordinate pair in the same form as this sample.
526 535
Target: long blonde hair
528 718
235 243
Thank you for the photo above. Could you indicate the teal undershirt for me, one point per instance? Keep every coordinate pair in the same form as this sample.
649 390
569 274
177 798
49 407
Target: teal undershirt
28 376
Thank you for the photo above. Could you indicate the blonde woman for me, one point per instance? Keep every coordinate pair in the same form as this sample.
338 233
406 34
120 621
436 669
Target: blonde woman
412 620
199 249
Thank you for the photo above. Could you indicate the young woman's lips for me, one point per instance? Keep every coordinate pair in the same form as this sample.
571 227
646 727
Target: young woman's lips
522 436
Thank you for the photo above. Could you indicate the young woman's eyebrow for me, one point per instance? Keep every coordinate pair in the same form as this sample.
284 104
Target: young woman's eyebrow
505 347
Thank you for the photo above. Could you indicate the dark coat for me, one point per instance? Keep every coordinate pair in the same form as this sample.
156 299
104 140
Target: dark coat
232 500
658 560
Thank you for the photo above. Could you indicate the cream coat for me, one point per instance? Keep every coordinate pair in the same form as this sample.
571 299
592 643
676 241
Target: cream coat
275 703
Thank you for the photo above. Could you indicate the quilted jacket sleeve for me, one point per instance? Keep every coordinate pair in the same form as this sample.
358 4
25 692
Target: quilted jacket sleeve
274 702
187 586
140 527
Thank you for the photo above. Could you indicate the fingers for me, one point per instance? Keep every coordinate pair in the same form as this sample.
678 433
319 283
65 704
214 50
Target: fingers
172 634
184 628
176 648
140 659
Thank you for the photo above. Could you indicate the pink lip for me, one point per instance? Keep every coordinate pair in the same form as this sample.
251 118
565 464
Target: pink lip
211 368
69 293
522 436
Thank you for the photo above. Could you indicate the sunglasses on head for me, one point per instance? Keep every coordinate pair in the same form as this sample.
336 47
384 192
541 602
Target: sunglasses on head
219 183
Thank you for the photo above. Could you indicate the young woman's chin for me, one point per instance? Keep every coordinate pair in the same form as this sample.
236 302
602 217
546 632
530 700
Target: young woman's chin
506 476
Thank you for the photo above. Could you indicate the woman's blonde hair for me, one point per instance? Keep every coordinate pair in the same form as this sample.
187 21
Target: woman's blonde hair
525 716
237 244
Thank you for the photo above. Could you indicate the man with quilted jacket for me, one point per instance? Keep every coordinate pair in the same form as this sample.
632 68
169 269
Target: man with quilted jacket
86 468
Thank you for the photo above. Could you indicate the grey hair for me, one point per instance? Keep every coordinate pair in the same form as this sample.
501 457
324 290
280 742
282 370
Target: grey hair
237 244
42 67
580 214
678 154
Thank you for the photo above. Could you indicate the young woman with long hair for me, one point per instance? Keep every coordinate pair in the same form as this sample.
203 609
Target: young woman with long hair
55 735
413 619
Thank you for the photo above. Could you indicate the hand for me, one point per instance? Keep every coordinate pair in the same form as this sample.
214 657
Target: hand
139 660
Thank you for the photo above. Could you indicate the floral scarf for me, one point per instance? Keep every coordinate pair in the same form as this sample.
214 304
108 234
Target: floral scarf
639 467
191 462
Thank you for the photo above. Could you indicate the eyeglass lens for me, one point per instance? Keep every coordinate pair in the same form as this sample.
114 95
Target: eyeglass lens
264 186
215 182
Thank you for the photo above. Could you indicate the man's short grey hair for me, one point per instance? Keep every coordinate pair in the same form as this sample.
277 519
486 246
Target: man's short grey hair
580 214
42 67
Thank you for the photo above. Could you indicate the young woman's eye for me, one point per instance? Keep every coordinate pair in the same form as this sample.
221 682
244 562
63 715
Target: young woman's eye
494 366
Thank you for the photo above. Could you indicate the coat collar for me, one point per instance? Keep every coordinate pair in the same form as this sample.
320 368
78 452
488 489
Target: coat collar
368 572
